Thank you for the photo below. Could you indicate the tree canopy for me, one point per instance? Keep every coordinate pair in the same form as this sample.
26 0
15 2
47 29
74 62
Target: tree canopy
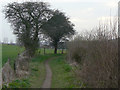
26 19
29 19
57 28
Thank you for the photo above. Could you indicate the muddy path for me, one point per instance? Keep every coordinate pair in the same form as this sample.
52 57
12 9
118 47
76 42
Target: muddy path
48 78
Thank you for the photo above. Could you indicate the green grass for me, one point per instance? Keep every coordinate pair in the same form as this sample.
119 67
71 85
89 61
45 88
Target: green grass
11 52
37 69
50 51
37 73
19 83
63 77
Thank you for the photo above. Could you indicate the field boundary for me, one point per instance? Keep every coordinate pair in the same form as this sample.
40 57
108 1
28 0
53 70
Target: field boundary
0 65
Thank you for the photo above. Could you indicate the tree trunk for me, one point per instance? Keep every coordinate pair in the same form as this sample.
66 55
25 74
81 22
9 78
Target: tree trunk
55 51
62 51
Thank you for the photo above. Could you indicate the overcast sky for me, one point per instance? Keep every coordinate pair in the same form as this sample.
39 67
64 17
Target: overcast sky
85 14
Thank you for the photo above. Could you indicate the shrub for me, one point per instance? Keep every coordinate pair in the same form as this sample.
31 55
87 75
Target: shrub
34 69
67 68
97 56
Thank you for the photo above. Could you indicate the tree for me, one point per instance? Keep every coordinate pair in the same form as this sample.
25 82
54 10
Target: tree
57 28
26 19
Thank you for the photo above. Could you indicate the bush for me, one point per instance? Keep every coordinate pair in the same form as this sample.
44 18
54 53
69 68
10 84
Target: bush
76 50
97 56
67 67
34 69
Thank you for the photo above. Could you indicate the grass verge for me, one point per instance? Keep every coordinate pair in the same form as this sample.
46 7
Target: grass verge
63 77
37 68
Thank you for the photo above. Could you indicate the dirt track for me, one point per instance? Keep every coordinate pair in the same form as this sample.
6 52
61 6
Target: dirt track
48 78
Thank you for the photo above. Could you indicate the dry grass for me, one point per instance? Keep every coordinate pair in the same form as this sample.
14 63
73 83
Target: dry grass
97 55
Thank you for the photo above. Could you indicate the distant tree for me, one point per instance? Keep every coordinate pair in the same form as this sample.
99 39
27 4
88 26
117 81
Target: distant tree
62 45
26 19
58 28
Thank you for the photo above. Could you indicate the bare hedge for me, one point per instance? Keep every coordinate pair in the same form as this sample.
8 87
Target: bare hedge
96 53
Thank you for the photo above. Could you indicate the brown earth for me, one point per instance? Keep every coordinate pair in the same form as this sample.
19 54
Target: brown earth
48 78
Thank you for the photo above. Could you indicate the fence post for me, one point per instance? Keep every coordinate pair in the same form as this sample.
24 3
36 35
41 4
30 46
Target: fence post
44 50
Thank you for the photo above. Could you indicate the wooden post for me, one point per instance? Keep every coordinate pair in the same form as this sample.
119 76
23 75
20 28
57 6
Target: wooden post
44 50
62 51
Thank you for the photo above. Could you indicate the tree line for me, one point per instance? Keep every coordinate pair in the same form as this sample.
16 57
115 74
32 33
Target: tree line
31 19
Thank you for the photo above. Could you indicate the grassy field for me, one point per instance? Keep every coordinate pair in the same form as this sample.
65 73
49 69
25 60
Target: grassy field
63 76
11 52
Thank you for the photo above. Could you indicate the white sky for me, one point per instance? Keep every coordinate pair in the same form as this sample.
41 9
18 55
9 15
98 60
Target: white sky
85 14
